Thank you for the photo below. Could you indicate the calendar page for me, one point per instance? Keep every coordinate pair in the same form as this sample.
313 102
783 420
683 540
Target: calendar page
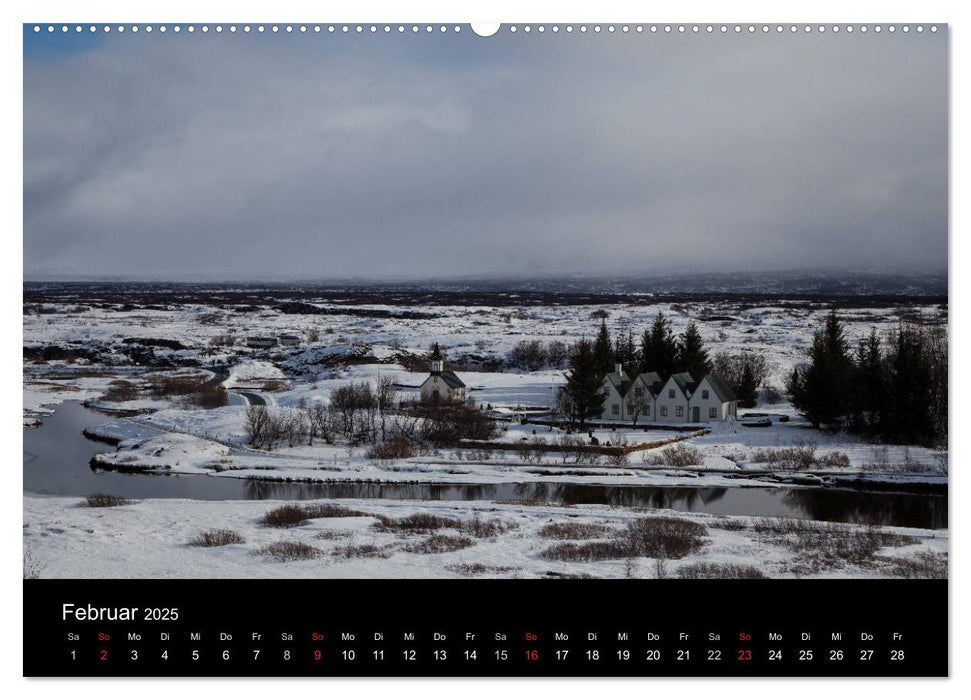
409 349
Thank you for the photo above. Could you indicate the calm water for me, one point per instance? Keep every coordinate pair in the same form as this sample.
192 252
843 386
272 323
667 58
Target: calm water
56 458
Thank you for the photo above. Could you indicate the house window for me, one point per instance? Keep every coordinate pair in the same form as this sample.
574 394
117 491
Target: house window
647 410
679 411
615 408
664 410
670 393
704 393
712 412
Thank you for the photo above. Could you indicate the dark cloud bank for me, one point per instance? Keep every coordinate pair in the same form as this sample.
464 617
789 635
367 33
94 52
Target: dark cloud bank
229 156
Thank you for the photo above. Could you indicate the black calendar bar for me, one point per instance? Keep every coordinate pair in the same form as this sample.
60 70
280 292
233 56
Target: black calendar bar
485 628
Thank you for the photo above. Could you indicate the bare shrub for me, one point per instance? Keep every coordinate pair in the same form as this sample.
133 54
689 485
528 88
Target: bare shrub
121 390
830 545
834 459
285 516
533 450
730 524
665 537
487 528
256 424
587 551
679 455
292 515
923 565
217 538
574 450
719 571
396 447
32 565
799 457
354 551
179 385
573 531
418 522
209 395
104 500
290 551
331 510
529 355
439 544
477 568
274 385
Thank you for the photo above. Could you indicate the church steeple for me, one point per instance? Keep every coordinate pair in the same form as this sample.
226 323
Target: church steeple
438 361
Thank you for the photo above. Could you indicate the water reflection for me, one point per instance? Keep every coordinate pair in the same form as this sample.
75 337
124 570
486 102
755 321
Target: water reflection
877 508
56 458
869 507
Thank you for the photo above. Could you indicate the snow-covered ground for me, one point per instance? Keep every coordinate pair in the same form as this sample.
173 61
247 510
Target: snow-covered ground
152 539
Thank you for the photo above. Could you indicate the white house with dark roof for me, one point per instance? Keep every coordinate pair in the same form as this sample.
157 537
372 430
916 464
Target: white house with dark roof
442 384
679 399
615 386
672 399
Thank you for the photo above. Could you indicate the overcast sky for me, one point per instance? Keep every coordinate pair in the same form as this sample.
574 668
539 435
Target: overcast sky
328 156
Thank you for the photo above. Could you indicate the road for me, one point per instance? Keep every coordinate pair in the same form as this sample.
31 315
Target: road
253 399
222 374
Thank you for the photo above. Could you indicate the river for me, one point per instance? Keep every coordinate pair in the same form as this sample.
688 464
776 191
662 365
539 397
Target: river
57 456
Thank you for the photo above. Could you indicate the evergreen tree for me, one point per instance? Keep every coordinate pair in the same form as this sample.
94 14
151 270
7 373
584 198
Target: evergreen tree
820 388
868 392
692 354
659 349
603 351
584 396
908 414
625 351
748 387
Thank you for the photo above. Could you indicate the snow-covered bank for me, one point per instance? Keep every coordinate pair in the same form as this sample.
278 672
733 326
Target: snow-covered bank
151 539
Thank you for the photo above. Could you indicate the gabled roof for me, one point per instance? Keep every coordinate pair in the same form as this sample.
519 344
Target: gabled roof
652 380
619 380
450 378
684 381
721 388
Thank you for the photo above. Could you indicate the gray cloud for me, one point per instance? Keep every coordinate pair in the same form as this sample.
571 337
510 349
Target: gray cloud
318 156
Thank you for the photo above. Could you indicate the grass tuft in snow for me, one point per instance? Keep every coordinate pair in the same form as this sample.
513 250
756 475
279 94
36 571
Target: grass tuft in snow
573 531
719 571
361 550
822 546
798 457
217 538
923 565
587 551
730 524
660 538
104 500
680 455
293 515
418 522
289 551
665 537
439 544
477 569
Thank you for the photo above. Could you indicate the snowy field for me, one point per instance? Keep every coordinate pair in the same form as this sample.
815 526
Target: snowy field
81 351
153 539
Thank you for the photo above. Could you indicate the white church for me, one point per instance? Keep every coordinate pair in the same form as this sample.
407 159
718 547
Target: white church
680 399
442 384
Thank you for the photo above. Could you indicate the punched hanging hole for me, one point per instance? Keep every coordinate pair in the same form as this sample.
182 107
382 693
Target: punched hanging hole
485 28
